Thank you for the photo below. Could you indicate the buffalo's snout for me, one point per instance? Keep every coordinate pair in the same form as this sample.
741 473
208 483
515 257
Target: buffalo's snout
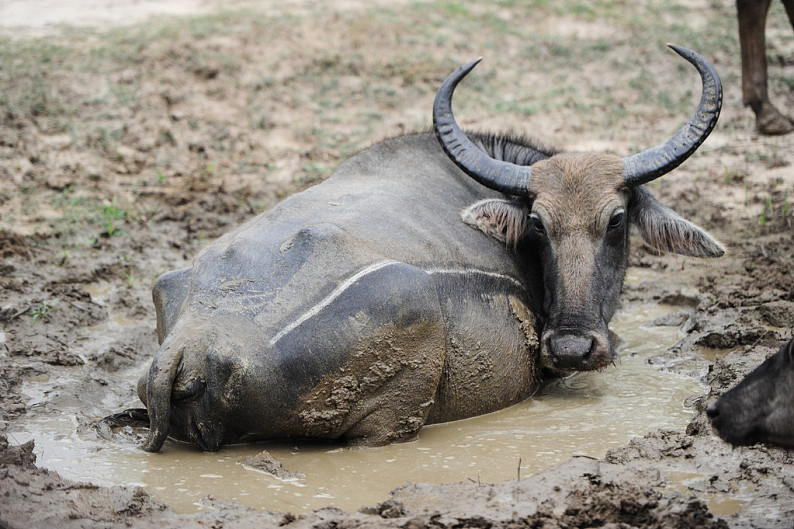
712 411
568 350
735 424
760 408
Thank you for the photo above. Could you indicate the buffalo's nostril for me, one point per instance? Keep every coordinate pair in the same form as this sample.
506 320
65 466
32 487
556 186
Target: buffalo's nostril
569 345
712 411
569 351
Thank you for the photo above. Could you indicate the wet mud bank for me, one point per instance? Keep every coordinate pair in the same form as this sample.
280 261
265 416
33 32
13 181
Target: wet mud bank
119 162
687 477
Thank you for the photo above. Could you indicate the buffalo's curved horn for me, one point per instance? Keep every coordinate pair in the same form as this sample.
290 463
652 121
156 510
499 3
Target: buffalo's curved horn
158 395
643 167
496 174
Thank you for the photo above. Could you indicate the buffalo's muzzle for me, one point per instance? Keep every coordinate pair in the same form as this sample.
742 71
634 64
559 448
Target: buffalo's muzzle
575 351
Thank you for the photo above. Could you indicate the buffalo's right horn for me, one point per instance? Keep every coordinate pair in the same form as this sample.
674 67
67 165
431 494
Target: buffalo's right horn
496 174
656 161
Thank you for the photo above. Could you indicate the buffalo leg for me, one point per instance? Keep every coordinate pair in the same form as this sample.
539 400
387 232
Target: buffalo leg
752 39
405 365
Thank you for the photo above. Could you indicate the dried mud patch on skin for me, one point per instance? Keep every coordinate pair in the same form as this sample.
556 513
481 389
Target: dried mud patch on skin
395 364
528 324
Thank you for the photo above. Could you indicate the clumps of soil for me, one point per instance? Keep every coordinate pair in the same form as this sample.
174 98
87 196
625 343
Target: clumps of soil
581 492
39 323
34 497
631 507
264 462
12 244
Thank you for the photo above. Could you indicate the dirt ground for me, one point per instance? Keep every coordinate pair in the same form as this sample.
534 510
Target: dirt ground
124 149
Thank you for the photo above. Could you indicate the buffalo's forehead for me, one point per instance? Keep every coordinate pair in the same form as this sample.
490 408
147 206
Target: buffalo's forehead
577 191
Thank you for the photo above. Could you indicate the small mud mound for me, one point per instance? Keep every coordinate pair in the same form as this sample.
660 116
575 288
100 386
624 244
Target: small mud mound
12 245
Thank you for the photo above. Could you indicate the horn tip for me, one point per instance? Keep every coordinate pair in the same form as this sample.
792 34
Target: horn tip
466 68
680 50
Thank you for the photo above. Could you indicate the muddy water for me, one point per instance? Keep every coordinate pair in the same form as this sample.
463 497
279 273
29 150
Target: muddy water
584 414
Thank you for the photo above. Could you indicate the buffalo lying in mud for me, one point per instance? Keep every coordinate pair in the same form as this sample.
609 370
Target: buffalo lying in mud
760 409
365 307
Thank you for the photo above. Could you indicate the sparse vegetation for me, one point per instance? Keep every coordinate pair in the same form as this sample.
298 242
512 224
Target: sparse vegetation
42 311
530 78
110 214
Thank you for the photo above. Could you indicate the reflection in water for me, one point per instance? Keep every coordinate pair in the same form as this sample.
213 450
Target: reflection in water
587 414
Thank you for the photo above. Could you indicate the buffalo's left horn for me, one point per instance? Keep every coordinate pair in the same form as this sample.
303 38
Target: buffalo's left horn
496 174
656 161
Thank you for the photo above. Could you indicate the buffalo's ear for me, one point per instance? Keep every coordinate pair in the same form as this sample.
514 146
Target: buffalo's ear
501 219
664 230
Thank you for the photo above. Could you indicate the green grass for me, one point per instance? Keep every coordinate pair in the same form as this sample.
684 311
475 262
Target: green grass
41 312
111 213
338 82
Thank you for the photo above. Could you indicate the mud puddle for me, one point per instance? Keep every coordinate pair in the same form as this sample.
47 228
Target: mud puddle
585 414
725 502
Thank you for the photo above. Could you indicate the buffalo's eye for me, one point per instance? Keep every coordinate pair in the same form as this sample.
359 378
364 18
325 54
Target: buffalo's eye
617 220
536 224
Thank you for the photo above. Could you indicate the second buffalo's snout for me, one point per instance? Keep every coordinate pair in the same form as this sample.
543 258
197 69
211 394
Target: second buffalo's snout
760 408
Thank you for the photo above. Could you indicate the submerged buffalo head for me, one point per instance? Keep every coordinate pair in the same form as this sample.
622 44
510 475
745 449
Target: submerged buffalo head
760 409
574 210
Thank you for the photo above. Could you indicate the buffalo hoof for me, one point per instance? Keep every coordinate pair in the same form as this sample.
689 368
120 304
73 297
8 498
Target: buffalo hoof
770 122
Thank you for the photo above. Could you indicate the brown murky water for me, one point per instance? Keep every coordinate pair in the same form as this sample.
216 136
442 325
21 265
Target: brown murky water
585 414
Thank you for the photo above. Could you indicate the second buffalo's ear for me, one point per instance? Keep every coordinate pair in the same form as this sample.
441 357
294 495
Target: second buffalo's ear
664 230
501 219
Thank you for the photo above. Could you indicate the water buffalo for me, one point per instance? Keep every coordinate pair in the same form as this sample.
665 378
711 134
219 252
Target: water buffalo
760 409
752 39
366 307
